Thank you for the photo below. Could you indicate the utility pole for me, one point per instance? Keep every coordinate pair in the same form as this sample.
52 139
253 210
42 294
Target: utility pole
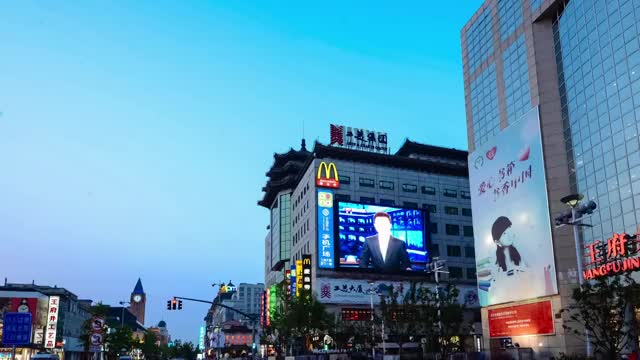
373 325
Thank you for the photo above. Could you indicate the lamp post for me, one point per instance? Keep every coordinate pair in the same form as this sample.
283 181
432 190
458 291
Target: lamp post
373 325
123 303
574 218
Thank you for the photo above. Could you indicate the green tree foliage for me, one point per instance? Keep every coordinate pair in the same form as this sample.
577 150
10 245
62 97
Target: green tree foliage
295 320
120 342
150 349
603 307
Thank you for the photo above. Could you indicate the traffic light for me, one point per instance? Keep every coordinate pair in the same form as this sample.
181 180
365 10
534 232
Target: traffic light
168 304
179 304
173 303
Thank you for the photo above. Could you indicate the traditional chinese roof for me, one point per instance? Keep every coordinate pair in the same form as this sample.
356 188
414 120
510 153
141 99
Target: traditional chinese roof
138 289
288 169
397 161
283 174
412 148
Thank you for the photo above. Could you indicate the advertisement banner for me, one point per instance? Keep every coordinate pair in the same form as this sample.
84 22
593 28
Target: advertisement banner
511 221
325 229
25 305
293 283
299 276
52 323
520 320
306 272
201 338
360 292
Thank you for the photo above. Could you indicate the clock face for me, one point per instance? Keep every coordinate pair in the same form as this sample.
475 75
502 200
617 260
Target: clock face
137 298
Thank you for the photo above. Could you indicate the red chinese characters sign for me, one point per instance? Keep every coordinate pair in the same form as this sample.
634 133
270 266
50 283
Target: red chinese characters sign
528 319
618 254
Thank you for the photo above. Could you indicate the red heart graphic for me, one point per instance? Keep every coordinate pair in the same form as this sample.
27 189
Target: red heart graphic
491 153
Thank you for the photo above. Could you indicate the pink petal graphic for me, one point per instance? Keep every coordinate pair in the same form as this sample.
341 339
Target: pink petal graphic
524 156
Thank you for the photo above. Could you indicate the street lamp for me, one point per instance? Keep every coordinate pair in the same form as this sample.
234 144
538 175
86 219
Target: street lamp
573 217
436 267
122 317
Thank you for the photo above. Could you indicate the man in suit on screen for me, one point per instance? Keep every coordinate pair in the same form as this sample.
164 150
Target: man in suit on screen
383 251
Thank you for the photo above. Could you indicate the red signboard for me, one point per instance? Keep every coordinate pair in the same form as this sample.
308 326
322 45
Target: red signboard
24 305
528 319
616 255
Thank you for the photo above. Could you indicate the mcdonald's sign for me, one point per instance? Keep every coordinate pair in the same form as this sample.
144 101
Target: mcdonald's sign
325 178
306 272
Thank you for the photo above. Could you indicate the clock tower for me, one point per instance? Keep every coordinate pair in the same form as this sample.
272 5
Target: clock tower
138 301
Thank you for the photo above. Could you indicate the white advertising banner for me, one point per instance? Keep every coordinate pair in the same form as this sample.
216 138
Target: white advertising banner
511 221
359 292
52 322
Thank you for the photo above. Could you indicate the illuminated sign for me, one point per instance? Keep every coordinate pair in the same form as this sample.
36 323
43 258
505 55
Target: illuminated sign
521 320
201 338
306 272
298 276
52 322
324 177
358 139
228 289
325 229
273 301
292 282
618 254
268 306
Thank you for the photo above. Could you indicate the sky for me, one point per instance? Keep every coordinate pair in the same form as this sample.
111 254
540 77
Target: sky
135 135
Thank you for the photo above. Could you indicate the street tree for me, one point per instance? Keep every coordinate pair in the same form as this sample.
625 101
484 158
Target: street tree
120 342
149 347
603 307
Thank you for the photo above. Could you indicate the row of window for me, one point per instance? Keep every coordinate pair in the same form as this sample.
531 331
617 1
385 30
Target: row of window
453 251
453 229
408 188
457 273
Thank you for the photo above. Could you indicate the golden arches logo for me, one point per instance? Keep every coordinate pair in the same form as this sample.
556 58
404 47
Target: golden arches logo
324 177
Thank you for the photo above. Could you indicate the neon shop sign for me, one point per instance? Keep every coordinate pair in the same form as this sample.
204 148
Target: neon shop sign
618 254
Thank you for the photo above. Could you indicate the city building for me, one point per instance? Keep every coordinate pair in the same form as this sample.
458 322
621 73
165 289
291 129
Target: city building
220 318
38 300
574 66
417 179
118 316
161 332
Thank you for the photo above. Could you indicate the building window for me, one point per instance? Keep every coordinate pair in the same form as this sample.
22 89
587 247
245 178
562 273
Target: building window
410 188
366 182
452 229
468 231
387 202
465 195
343 197
433 227
431 207
434 250
450 193
344 180
429 190
411 205
466 212
471 273
455 272
469 252
386 185
368 200
454 250
451 210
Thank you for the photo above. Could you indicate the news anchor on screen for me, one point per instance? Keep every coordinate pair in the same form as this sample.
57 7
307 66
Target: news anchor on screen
383 251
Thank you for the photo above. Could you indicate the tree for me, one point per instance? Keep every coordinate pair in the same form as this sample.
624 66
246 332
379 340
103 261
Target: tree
399 314
120 342
295 320
150 349
603 307
450 325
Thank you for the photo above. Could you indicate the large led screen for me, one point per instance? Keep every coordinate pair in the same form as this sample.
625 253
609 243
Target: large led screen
380 238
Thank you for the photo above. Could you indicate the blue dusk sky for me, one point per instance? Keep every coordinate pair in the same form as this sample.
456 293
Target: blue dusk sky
135 135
